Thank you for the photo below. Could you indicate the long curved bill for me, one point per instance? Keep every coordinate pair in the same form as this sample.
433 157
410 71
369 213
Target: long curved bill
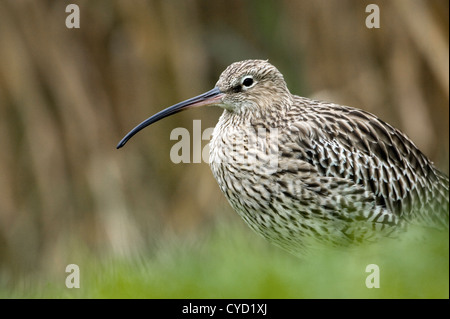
211 97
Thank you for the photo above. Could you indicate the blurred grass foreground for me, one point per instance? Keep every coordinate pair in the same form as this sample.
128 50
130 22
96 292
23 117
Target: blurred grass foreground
232 262
138 225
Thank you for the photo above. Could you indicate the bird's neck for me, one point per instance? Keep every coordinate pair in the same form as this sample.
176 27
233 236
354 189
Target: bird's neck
270 115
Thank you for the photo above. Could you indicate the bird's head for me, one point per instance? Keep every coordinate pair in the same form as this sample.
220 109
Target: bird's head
249 87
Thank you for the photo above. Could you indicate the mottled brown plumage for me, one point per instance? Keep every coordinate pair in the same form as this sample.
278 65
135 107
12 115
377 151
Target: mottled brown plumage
296 168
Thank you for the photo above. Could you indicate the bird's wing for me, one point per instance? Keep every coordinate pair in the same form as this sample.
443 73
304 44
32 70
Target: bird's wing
354 145
337 202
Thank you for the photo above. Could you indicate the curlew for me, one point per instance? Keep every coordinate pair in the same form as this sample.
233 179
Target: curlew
295 168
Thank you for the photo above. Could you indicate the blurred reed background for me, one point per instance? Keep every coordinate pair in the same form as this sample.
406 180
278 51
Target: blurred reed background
67 96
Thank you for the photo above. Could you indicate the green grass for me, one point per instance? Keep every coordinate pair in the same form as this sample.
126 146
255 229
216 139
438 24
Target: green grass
233 262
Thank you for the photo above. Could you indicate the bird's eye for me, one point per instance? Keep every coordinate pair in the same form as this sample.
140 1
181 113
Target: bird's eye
247 82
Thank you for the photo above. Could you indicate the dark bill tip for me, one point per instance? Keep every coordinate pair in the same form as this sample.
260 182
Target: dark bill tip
211 97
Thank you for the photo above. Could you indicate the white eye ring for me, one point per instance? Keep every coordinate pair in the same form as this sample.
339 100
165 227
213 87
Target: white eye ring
247 82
